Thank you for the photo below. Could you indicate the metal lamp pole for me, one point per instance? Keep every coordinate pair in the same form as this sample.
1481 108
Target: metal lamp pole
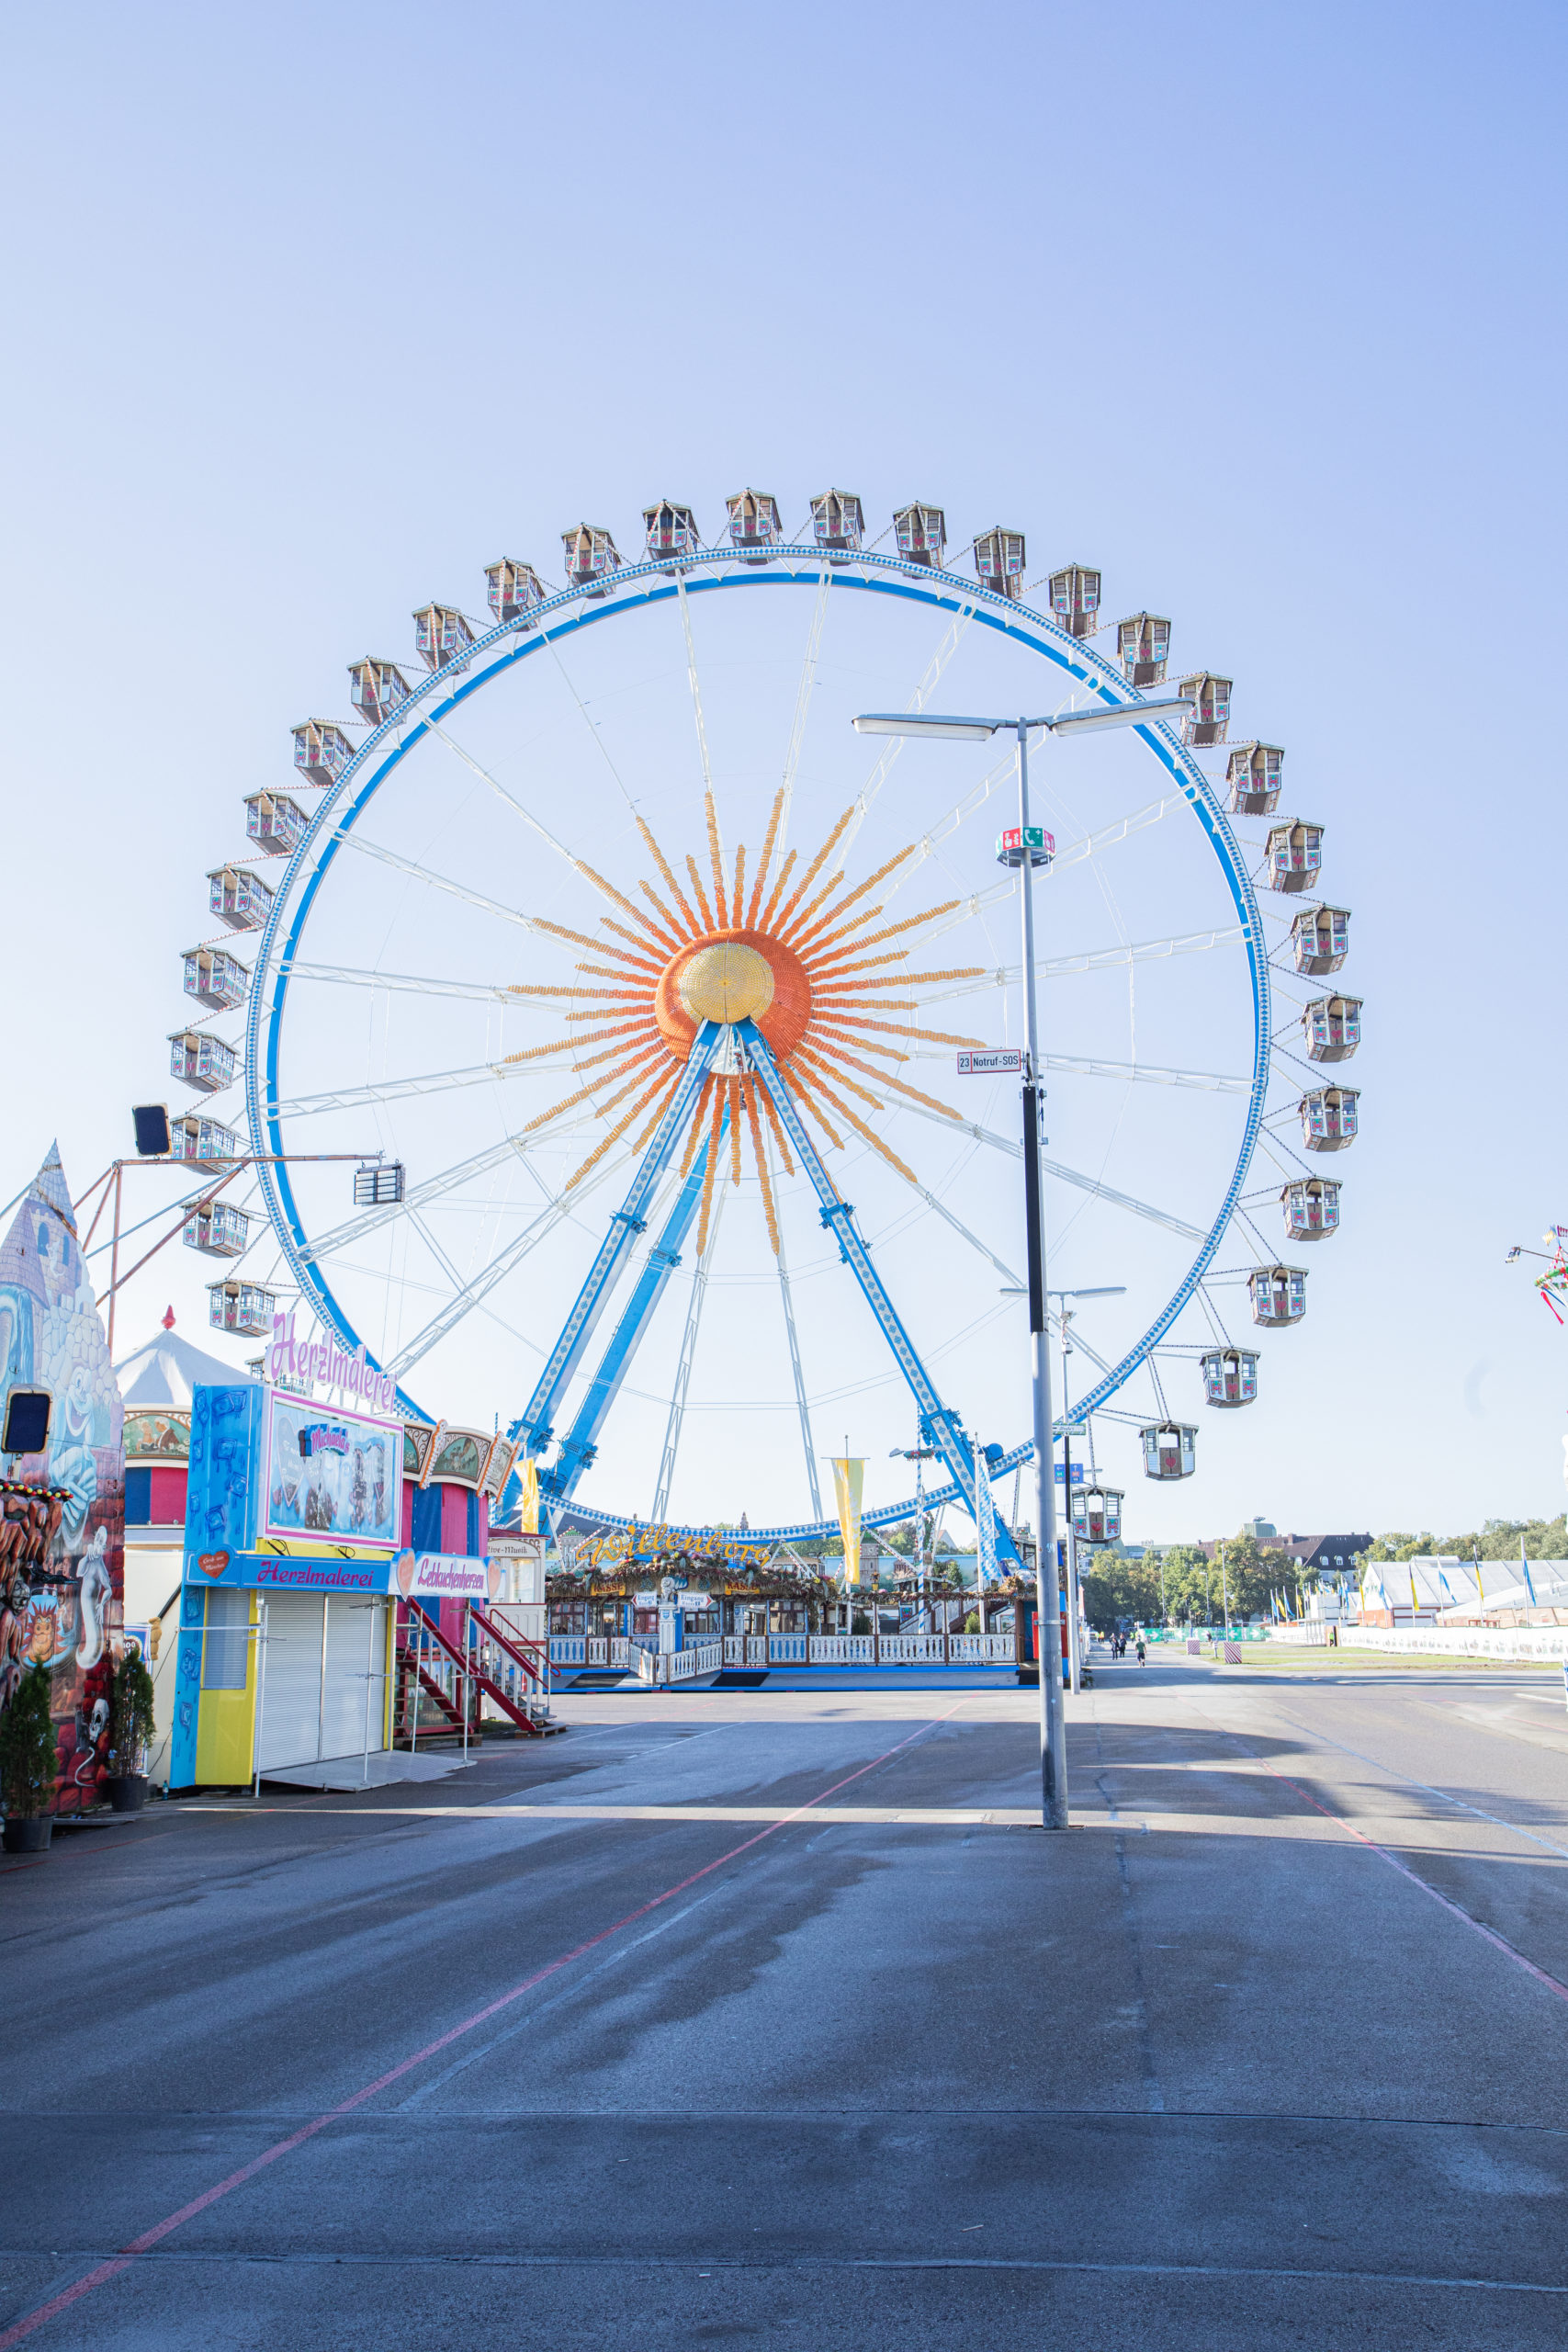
1047 1584
1075 1663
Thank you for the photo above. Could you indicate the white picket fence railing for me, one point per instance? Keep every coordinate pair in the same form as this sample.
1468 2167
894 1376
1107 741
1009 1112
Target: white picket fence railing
666 1666
980 1649
1523 1642
784 1649
918 1650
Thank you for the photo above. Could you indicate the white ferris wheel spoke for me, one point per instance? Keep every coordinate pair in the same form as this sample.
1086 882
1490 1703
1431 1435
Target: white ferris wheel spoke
1199 1081
1145 951
973 1238
967 908
1203 1080
464 1302
1098 959
439 881
495 1155
945 827
802 706
421 1227
511 798
802 1402
406 983
684 1369
1120 830
1076 1340
398 1089
1014 1148
951 638
691 681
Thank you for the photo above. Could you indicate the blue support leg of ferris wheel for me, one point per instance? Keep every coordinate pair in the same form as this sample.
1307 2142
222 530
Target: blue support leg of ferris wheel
940 1425
581 1444
532 1424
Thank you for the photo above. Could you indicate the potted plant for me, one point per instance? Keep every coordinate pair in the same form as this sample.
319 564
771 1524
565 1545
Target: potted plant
130 1734
28 1764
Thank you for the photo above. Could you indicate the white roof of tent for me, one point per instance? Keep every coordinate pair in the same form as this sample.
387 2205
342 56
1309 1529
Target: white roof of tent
167 1368
1449 1586
1439 1583
1509 1591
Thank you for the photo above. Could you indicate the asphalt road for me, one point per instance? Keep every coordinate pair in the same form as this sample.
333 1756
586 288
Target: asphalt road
701 2023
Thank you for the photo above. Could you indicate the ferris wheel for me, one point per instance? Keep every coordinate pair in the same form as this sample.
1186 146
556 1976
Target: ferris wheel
639 984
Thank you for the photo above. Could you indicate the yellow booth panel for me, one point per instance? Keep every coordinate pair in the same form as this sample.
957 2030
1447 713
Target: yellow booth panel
226 1721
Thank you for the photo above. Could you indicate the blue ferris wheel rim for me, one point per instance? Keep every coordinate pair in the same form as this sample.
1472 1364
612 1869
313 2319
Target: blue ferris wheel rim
635 588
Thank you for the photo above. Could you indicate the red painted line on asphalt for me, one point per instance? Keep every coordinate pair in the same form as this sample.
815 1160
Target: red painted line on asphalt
105 2271
1499 1943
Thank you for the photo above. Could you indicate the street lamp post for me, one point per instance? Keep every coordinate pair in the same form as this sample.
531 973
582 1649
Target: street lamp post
1047 1584
1064 1318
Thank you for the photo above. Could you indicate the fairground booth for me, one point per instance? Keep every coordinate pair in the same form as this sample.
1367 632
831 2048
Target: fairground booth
62 1488
636 1592
340 1595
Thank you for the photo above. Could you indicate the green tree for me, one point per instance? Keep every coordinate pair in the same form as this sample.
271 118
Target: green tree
1496 1539
1188 1577
130 1714
1113 1588
28 1763
1397 1546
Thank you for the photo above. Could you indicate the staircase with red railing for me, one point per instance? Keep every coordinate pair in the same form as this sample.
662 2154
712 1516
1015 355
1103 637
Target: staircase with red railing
529 1709
413 1680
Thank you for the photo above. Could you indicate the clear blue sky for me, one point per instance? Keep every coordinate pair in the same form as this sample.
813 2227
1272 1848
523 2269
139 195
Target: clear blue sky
313 309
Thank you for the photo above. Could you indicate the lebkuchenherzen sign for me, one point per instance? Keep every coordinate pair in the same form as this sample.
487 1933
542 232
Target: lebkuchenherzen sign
990 1061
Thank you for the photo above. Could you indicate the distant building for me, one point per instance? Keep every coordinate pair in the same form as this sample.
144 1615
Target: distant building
1329 1555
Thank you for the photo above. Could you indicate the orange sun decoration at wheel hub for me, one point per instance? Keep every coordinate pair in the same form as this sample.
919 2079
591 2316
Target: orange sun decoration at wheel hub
810 965
733 975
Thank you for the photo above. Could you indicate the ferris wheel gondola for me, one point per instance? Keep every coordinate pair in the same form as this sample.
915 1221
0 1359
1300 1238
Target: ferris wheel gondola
738 1021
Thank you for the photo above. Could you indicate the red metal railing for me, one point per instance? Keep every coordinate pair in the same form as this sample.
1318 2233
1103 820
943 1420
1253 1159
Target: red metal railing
480 1682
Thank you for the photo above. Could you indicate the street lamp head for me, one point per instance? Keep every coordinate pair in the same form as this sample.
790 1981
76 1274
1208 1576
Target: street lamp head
967 730
1121 714
910 722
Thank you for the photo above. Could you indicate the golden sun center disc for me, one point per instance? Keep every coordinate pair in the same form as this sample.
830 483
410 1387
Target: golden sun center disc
727 982
735 975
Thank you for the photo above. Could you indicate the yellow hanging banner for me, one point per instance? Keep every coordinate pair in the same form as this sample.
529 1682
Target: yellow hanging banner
528 1477
849 1480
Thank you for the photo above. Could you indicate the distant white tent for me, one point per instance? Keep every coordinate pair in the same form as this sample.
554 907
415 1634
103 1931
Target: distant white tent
1448 1591
165 1369
1432 1587
1550 1579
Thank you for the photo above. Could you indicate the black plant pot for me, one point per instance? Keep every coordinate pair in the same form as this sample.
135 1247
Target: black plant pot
127 1791
29 1835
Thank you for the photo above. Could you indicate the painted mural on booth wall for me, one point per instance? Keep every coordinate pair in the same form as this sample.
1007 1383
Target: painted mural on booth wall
63 1540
